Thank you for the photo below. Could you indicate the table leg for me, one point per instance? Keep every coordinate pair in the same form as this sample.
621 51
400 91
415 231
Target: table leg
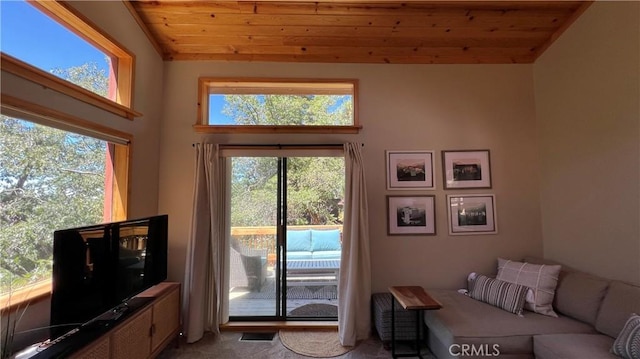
393 328
418 333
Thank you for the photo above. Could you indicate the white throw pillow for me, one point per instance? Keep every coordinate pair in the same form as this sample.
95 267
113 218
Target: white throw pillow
541 278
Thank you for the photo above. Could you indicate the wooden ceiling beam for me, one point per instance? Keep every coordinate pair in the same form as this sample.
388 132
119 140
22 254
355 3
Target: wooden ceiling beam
351 8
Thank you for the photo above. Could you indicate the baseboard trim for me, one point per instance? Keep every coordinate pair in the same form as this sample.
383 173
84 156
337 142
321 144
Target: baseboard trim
277 325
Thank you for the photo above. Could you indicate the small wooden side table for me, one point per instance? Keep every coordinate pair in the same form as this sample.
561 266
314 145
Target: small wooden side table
410 298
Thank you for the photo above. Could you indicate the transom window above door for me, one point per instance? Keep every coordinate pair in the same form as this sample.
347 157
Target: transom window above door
277 106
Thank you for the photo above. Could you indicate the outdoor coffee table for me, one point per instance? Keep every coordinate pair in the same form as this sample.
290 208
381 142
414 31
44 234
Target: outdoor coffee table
312 271
410 298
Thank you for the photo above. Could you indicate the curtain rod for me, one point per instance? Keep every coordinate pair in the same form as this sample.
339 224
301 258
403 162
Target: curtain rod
284 145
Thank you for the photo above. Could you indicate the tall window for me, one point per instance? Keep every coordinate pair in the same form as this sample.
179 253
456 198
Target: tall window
277 105
50 179
57 171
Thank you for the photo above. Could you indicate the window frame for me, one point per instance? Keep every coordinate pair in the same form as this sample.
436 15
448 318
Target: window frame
123 60
276 85
118 193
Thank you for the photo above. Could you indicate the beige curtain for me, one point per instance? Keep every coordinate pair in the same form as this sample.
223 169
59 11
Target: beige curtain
202 302
354 287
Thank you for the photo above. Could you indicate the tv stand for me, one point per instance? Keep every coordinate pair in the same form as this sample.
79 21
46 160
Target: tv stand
143 333
140 329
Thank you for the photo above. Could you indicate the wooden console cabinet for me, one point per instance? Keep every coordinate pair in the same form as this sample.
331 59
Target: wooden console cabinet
146 333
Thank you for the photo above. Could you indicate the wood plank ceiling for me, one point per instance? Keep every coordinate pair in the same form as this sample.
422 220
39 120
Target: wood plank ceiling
445 32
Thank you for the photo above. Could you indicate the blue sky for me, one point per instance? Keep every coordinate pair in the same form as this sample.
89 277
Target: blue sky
49 45
46 45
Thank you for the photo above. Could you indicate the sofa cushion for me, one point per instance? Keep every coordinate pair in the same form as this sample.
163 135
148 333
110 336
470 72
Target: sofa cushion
620 301
299 241
328 240
463 320
579 295
541 278
567 346
501 294
627 344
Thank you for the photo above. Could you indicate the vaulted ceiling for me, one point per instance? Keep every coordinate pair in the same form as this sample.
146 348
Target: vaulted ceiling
335 31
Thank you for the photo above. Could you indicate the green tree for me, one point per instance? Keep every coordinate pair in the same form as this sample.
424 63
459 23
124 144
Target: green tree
88 76
315 185
49 179
307 110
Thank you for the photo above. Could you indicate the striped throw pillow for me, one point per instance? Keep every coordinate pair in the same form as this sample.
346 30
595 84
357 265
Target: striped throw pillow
501 294
627 344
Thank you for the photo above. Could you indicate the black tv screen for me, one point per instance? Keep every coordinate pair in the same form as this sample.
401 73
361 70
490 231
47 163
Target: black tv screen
141 248
97 268
81 276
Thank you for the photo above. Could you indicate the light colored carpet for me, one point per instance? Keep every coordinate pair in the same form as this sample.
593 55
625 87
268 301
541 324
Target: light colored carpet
315 344
227 345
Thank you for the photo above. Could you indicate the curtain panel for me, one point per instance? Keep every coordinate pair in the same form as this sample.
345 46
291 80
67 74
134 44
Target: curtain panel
354 286
202 290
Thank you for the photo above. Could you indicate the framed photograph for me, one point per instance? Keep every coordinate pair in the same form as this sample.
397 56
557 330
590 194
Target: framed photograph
409 215
466 169
407 170
472 214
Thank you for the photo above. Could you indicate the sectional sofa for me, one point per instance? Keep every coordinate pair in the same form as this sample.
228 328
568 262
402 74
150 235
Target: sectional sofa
591 313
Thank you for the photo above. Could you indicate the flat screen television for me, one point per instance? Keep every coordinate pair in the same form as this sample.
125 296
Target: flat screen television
98 268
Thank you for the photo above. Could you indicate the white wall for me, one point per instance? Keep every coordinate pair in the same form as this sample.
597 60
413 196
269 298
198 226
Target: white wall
587 88
429 107
115 19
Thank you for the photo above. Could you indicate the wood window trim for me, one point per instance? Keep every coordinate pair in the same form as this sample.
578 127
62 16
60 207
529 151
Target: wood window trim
274 85
73 20
25 296
21 69
122 167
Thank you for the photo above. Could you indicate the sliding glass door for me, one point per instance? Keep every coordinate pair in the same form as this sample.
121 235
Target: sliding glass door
285 234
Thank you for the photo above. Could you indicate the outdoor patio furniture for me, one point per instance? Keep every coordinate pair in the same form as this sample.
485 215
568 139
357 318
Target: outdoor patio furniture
248 266
312 272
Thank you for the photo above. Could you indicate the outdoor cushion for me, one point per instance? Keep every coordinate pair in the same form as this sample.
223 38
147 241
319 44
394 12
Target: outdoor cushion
299 255
327 240
298 241
621 300
463 320
567 346
326 255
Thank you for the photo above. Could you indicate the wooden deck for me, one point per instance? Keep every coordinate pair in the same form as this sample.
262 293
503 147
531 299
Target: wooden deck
309 287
